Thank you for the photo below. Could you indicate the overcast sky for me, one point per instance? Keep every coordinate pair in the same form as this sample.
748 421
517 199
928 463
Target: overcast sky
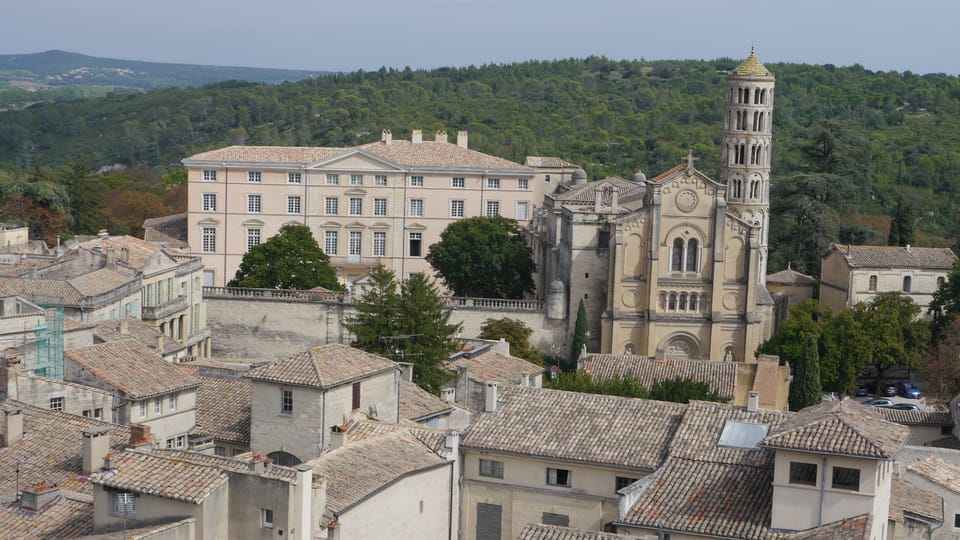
922 36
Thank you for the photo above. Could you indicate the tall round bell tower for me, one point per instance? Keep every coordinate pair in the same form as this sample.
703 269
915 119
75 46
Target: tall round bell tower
745 147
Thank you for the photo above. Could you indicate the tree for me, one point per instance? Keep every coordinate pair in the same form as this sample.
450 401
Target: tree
903 224
805 388
804 319
378 312
942 368
579 338
844 347
86 194
682 391
894 334
484 257
946 303
290 260
516 333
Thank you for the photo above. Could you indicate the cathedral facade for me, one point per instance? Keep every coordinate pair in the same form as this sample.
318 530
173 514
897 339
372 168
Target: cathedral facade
674 265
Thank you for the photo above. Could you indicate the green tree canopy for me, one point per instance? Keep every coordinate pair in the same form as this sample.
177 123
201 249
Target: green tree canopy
290 260
946 303
805 389
894 334
674 390
903 225
516 333
484 257
682 391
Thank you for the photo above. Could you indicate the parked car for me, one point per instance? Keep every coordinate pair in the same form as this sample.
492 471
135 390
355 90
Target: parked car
889 390
879 402
862 391
905 407
908 390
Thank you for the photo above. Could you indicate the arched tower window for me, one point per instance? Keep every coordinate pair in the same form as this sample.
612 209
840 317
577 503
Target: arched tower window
683 302
736 185
756 96
663 301
872 285
763 96
692 252
760 128
693 302
906 283
756 120
672 302
755 189
676 261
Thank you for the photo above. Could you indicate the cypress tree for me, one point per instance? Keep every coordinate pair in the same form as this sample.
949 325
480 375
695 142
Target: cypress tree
805 389
579 337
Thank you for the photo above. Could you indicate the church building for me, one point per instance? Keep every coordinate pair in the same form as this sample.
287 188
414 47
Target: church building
674 264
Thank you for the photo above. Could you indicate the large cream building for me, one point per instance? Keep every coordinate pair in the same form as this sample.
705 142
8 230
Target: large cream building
379 203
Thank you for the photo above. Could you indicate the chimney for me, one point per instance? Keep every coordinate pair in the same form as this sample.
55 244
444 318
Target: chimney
753 401
103 234
111 263
614 199
661 356
140 435
441 136
407 369
302 505
462 139
12 425
40 496
259 464
96 446
160 344
416 137
338 436
525 380
386 137
108 462
124 327
448 394
451 447
597 199
490 396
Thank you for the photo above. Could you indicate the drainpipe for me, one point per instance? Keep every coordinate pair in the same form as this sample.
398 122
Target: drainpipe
823 486
323 423
226 215
450 504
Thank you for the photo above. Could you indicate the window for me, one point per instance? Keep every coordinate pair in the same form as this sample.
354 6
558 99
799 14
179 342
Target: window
253 176
143 409
157 405
253 204
803 473
416 241
294 178
333 179
906 283
356 179
458 182
98 413
209 202
523 210
493 183
379 207
523 184
330 239
123 504
380 180
549 518
56 404
172 402
379 244
558 477
356 206
356 396
209 176
209 239
293 204
956 521
546 177
266 518
491 468
355 244
170 442
676 258
416 207
493 208
219 451
489 519
286 401
253 238
846 478
622 482
416 181
330 206
456 208
692 252
872 285
181 441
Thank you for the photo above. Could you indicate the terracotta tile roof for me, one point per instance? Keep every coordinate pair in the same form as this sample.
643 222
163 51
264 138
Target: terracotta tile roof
170 230
790 277
131 368
549 162
358 470
140 252
852 528
75 291
141 533
143 332
916 418
896 257
721 376
938 471
493 366
52 443
839 427
586 194
909 498
553 532
69 518
223 409
325 366
698 436
240 463
608 430
101 281
430 154
150 474
667 173
268 154
366 429
416 403
752 67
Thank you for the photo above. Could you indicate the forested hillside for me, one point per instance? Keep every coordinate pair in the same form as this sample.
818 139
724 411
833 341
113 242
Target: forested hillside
849 144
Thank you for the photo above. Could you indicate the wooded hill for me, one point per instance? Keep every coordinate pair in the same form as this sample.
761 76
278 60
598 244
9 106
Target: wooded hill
849 144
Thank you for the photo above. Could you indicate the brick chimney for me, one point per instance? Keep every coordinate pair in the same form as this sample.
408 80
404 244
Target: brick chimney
259 464
12 425
462 139
96 446
140 435
416 137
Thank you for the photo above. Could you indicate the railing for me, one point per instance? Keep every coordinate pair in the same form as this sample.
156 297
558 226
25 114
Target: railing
494 303
163 310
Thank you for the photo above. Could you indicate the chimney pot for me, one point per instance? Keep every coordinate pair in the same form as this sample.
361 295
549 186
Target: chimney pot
448 394
338 436
111 255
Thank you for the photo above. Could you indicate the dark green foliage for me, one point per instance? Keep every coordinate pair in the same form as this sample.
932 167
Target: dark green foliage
675 390
903 225
407 323
484 257
516 333
682 391
579 338
290 260
946 303
86 191
895 336
805 388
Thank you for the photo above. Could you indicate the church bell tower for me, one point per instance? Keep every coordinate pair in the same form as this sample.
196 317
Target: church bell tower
745 147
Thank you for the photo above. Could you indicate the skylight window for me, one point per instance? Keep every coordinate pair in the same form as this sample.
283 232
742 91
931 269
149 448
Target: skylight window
743 435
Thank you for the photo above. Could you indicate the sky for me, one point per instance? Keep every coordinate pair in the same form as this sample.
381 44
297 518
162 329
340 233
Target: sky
921 36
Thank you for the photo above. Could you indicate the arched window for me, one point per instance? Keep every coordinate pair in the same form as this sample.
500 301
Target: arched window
676 260
763 97
663 301
672 305
755 189
683 302
906 283
872 286
739 95
736 186
756 96
761 123
692 253
756 120
693 302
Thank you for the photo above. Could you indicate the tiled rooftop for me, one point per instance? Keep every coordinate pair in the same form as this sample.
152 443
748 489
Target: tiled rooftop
136 329
586 194
721 376
897 257
140 252
150 474
325 366
493 366
910 498
938 471
539 531
549 162
71 292
369 429
68 518
416 403
223 409
916 418
240 463
698 436
131 368
752 67
270 154
839 427
609 430
790 277
667 173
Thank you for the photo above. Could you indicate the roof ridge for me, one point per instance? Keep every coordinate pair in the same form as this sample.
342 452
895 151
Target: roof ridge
316 366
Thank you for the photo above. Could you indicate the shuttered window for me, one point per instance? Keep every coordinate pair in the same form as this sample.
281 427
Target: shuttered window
488 521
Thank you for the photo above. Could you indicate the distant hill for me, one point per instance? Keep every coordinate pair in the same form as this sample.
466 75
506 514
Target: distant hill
60 75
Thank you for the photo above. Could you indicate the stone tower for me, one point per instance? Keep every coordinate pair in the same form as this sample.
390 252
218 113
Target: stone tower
745 147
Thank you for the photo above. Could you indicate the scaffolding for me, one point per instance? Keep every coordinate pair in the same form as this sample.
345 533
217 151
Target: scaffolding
49 346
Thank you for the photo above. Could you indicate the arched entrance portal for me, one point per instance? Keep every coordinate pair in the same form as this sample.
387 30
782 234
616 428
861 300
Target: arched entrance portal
682 347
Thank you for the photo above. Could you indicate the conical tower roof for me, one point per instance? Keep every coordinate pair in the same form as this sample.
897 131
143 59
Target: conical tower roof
751 67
